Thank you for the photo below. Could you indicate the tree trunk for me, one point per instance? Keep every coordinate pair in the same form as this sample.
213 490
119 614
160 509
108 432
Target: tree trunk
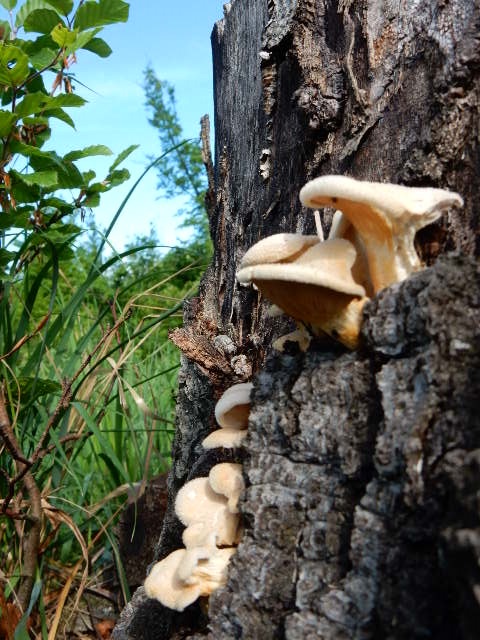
361 511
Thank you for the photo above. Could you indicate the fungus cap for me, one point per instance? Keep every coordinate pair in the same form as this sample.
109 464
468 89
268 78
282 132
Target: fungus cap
206 570
233 408
279 247
417 206
199 534
317 288
327 264
225 438
197 502
164 584
185 575
386 216
226 479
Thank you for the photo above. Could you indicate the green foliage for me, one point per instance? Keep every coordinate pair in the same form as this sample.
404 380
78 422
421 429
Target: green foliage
87 375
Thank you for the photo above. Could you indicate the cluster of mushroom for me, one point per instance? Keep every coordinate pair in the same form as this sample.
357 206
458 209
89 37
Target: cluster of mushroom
208 507
325 284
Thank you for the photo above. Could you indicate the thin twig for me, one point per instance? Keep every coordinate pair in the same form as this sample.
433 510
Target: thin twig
26 338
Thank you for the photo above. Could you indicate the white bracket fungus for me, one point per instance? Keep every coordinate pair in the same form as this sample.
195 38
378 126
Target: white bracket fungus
314 286
208 507
385 216
197 502
233 408
200 577
226 479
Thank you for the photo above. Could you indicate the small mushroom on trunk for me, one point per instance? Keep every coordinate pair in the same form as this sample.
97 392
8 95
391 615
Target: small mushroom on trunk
183 576
233 408
224 438
197 502
226 479
164 584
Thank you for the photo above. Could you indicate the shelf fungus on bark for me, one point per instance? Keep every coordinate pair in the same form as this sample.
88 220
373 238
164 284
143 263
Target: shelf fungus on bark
316 287
198 504
231 413
225 439
386 218
201 576
226 479
208 508
233 408
212 532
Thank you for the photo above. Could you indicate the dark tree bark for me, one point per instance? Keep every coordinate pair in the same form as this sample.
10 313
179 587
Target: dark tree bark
361 511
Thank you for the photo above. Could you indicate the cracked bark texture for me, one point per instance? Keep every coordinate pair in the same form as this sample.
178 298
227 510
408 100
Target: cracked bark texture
361 511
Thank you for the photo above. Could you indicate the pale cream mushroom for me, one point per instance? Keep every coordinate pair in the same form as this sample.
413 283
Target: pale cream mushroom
226 438
226 479
197 502
164 584
199 535
386 216
317 288
233 408
279 247
343 228
207 570
183 576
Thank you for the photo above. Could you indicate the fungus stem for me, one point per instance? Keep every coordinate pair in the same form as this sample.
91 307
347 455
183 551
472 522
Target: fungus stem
318 225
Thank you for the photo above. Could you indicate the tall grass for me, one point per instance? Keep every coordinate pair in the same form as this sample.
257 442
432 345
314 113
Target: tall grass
90 394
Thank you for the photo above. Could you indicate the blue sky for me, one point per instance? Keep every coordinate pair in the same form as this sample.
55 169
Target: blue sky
175 39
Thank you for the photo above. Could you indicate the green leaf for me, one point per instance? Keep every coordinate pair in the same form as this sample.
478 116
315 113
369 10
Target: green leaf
60 114
92 200
63 36
99 14
31 104
63 6
6 122
67 174
8 4
70 177
41 21
93 150
88 176
17 219
82 39
98 46
13 65
27 8
122 155
67 100
45 179
43 58
62 235
55 204
119 176
23 192
30 151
